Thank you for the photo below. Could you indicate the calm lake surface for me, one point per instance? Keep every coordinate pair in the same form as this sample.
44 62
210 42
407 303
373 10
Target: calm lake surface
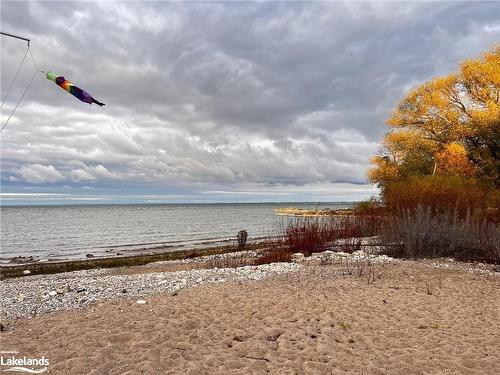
71 232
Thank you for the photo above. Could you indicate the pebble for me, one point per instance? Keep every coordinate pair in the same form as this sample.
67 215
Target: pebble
297 257
60 290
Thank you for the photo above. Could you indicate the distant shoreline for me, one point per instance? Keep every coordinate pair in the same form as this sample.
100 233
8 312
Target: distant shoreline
304 212
3 204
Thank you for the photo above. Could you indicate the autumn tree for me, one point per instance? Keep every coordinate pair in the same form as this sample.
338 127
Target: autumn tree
447 126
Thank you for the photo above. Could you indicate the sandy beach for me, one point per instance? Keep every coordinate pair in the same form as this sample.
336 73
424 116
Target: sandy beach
412 318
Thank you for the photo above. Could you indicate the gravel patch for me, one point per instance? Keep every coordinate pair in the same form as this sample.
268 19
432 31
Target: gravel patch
34 295
331 257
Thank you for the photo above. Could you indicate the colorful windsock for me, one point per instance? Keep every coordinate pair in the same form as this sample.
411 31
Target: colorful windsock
72 89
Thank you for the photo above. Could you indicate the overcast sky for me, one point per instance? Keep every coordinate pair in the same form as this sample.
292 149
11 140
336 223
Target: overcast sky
208 102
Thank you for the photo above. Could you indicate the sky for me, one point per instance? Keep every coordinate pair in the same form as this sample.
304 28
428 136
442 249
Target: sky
217 101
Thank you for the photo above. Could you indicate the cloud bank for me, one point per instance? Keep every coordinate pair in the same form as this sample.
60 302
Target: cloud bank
220 97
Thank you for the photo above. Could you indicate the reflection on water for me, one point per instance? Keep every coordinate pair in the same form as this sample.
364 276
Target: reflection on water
62 232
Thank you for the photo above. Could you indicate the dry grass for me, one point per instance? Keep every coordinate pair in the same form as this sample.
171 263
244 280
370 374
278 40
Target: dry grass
233 261
311 235
302 235
423 233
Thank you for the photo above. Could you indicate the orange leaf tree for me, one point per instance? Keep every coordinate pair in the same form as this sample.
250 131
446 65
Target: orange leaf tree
448 126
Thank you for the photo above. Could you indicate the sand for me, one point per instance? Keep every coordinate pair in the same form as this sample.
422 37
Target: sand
414 319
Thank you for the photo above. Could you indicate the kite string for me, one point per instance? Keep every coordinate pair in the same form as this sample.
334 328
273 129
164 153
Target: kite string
22 96
15 78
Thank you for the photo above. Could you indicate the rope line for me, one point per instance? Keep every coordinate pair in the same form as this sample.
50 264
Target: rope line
15 78
22 96
28 50
37 70
34 62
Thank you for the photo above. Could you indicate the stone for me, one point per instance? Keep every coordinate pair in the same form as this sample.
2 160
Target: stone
26 272
61 290
52 293
242 238
141 302
297 257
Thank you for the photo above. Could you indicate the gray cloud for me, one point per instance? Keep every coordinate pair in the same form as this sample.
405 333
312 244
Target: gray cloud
222 94
39 174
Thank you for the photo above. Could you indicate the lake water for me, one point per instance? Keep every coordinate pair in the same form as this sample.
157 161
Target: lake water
71 232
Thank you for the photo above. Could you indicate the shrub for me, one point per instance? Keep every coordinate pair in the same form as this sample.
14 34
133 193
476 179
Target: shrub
421 232
367 219
300 235
439 193
371 207
310 235
307 236
276 252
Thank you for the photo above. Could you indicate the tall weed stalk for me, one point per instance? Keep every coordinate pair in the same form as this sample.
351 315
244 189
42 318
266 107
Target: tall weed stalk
420 232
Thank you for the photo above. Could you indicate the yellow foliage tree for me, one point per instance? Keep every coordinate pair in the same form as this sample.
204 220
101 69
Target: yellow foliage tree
453 161
449 125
